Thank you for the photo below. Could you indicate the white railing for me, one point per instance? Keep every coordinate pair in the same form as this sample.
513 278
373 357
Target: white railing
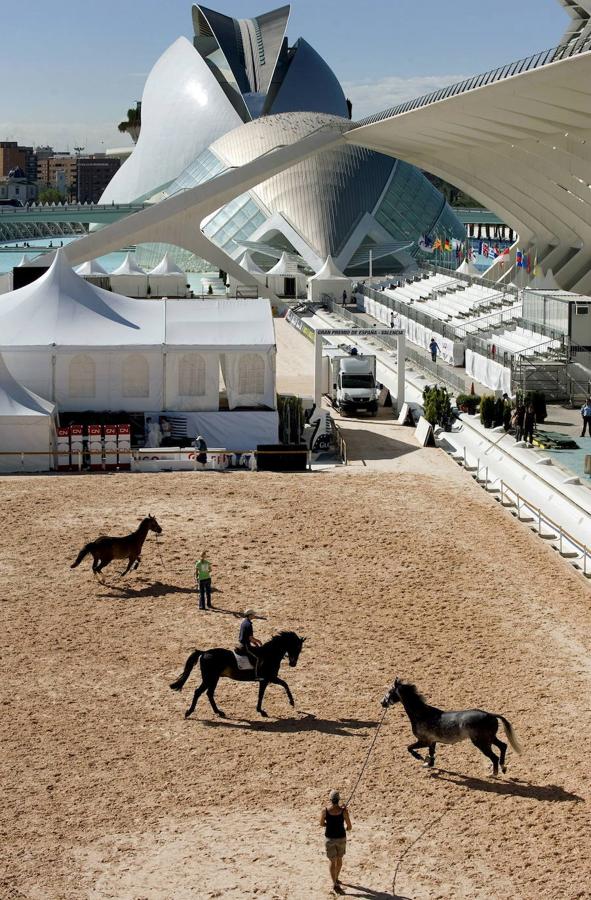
569 546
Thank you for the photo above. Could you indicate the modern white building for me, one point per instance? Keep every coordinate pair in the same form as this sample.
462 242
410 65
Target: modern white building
239 92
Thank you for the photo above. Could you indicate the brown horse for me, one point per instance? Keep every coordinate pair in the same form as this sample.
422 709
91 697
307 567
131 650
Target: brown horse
105 549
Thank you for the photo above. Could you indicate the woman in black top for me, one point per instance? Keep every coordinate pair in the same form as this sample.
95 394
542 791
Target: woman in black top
336 822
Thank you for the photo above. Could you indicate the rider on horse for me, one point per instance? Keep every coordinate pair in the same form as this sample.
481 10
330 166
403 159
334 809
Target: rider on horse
247 640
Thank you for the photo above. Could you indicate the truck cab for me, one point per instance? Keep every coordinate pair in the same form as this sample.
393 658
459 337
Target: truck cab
355 384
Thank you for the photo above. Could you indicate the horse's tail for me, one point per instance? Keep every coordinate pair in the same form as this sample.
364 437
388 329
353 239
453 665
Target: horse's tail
189 665
80 556
510 733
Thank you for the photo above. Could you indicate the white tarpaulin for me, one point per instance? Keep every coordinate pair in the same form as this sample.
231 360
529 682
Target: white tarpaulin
488 372
228 431
451 351
27 426
90 349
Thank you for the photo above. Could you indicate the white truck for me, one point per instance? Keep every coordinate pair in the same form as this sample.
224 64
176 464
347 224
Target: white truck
352 382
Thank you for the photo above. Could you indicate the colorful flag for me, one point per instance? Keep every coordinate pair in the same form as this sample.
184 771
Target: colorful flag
485 249
519 259
437 244
426 244
447 244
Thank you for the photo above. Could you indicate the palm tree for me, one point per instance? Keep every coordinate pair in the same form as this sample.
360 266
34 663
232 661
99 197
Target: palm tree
132 125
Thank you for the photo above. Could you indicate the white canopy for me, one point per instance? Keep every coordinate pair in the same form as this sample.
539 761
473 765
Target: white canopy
166 266
128 267
545 282
27 426
91 267
284 266
329 272
25 260
62 309
220 325
88 348
248 263
467 267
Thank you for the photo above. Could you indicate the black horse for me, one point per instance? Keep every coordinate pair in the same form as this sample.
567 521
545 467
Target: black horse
431 725
219 663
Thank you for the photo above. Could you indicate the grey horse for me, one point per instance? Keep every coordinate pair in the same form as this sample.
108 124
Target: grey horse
431 725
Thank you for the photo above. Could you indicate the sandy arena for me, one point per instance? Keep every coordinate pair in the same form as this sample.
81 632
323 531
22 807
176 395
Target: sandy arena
110 793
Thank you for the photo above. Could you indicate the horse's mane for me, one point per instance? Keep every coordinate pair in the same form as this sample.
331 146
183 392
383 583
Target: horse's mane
282 637
410 690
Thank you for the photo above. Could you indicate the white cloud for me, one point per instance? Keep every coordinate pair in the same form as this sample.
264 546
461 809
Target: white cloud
370 97
95 137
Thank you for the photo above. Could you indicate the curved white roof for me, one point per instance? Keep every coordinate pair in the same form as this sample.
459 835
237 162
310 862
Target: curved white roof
184 110
128 267
167 266
468 268
91 267
329 271
17 400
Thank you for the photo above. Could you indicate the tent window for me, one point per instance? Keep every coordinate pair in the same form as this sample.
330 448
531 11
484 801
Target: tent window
82 376
251 374
192 375
135 376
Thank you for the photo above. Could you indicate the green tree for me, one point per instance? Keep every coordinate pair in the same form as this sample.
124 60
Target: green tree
133 123
50 195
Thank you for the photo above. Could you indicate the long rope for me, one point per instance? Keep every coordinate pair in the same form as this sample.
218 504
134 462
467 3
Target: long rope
371 746
412 844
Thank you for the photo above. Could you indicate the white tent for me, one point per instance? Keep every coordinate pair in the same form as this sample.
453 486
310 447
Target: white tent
24 261
27 425
329 280
167 279
90 349
129 279
285 279
467 267
91 267
237 287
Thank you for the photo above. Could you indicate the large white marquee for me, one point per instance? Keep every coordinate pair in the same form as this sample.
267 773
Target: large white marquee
84 348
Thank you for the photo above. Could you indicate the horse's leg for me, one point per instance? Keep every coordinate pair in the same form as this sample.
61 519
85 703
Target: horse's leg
485 747
503 748
136 563
210 696
129 565
262 689
200 690
285 686
418 745
430 762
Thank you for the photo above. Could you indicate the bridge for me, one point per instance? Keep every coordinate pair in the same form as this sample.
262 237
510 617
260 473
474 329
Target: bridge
18 223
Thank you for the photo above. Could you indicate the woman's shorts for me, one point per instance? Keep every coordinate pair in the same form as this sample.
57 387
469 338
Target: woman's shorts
336 847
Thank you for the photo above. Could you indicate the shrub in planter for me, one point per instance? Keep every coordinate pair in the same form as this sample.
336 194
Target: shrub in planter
488 405
468 402
436 405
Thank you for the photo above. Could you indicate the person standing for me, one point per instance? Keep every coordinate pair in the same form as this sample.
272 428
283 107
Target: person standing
203 578
201 448
529 423
434 348
586 414
344 298
517 420
336 822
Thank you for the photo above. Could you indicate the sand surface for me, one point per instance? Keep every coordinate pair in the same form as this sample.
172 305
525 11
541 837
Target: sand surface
109 793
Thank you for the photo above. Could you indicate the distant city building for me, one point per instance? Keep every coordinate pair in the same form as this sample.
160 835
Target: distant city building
17 187
59 172
93 175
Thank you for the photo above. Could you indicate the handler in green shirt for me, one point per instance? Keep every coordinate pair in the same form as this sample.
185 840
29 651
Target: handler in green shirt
203 577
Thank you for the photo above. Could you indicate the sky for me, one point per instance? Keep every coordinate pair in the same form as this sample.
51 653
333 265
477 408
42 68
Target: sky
70 70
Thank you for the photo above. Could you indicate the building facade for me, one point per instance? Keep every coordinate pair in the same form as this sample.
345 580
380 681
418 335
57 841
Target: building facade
93 174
